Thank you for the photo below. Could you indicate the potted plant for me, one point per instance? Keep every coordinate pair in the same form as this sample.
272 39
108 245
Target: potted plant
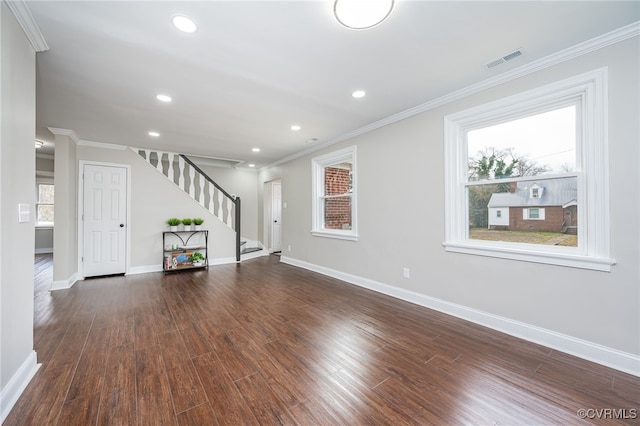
187 223
198 222
173 224
197 259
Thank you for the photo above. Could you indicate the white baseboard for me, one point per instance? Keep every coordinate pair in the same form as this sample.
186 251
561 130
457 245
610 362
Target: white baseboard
65 284
623 361
44 250
12 391
254 254
134 270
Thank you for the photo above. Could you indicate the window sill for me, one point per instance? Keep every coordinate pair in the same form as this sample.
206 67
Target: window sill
335 234
528 254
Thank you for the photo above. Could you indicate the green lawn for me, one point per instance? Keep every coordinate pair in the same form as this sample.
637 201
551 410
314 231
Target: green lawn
550 238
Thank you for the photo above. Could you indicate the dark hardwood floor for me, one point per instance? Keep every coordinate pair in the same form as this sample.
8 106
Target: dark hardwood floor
267 343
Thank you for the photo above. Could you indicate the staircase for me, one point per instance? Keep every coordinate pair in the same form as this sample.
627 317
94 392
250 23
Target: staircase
187 176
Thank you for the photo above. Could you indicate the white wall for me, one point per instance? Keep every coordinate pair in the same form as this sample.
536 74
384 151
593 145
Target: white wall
17 182
43 240
503 220
401 222
65 250
244 184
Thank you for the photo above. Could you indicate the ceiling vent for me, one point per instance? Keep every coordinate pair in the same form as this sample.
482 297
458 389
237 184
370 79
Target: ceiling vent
509 56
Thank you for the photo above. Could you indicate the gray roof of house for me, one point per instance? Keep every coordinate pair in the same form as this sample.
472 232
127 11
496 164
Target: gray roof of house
557 192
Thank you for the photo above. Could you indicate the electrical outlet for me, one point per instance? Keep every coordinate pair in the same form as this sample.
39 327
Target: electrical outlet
406 272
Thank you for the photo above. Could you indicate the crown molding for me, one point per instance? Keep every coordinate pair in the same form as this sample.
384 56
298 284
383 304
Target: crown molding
102 145
65 132
24 17
612 37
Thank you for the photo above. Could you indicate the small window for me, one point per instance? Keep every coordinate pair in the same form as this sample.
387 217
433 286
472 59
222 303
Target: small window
499 213
533 214
44 204
534 193
334 195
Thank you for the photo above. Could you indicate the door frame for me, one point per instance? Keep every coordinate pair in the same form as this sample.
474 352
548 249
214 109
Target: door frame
267 209
80 220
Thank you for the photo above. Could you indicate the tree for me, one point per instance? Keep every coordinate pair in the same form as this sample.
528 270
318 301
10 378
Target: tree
493 164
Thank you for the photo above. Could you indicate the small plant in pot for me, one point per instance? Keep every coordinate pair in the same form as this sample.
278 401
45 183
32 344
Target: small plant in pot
197 259
198 223
187 223
173 224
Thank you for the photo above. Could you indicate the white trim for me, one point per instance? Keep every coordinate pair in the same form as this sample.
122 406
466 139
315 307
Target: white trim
530 253
17 384
46 250
318 165
44 174
81 164
46 156
589 91
28 24
135 270
602 41
613 358
65 132
102 145
65 284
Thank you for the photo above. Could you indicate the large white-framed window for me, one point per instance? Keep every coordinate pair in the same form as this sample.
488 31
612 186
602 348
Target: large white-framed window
45 194
478 183
334 195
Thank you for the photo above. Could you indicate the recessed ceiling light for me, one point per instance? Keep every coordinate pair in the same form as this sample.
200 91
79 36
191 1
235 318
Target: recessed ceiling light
252 165
163 98
358 94
184 24
256 150
154 134
295 127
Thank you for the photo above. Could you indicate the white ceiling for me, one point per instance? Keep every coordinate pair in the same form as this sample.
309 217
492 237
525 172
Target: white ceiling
254 68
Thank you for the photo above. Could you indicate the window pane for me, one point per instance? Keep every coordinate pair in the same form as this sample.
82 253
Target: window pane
44 214
45 193
337 213
536 145
510 212
337 179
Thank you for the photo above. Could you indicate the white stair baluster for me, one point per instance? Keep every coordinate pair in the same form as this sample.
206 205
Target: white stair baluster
181 177
159 165
201 195
192 187
229 220
170 158
220 213
211 208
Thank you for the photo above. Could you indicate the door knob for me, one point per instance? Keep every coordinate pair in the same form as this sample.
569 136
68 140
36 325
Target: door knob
122 225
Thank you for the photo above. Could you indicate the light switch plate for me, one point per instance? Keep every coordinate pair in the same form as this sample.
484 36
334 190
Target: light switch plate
24 213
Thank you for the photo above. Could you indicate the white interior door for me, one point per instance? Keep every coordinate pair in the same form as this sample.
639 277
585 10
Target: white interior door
104 220
276 215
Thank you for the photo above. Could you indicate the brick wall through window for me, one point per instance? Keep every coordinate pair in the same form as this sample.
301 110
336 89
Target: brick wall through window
337 211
